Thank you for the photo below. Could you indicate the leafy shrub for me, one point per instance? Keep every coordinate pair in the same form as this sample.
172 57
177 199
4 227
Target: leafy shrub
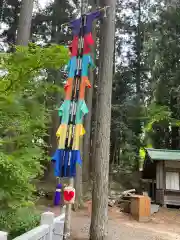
19 221
24 118
25 90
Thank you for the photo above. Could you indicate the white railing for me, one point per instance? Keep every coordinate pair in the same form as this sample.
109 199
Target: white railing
51 228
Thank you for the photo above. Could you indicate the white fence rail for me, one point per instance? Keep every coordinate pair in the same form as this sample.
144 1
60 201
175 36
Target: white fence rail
51 228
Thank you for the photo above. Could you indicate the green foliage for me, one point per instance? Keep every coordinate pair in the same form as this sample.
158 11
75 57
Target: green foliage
56 13
29 65
157 113
24 118
145 100
19 221
164 54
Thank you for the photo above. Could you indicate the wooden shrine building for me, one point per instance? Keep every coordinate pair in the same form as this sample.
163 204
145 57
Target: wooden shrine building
162 170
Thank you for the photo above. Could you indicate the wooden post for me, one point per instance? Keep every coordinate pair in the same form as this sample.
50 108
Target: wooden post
67 223
47 218
153 190
59 227
3 235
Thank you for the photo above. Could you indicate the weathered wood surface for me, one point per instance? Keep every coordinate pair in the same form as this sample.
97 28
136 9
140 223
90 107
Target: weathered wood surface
172 164
160 196
159 175
172 198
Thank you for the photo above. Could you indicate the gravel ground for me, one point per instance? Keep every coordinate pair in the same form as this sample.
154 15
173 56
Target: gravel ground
121 231
122 227
163 226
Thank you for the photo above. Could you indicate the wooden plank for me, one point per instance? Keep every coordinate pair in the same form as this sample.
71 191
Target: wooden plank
172 164
172 198
160 196
51 228
60 218
172 170
159 175
48 218
42 232
35 234
58 229
161 178
3 235
153 190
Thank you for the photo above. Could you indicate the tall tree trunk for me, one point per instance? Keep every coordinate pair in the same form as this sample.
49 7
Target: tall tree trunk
54 77
99 219
11 34
25 20
23 38
94 112
138 81
1 9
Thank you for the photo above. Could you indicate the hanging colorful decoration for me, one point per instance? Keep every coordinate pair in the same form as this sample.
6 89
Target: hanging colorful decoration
74 108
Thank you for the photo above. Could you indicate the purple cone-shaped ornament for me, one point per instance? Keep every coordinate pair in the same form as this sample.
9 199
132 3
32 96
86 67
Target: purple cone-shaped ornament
57 197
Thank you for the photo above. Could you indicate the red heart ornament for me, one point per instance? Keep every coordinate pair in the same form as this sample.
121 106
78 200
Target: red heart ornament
68 195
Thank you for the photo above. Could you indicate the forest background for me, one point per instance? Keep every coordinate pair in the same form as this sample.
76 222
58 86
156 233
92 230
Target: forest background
145 96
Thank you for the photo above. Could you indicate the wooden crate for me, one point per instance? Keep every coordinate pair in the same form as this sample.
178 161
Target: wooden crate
140 208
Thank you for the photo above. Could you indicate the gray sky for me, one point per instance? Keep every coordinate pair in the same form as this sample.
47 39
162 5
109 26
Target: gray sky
43 2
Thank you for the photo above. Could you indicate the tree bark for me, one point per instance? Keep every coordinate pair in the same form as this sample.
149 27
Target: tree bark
54 77
99 220
138 42
25 20
11 34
